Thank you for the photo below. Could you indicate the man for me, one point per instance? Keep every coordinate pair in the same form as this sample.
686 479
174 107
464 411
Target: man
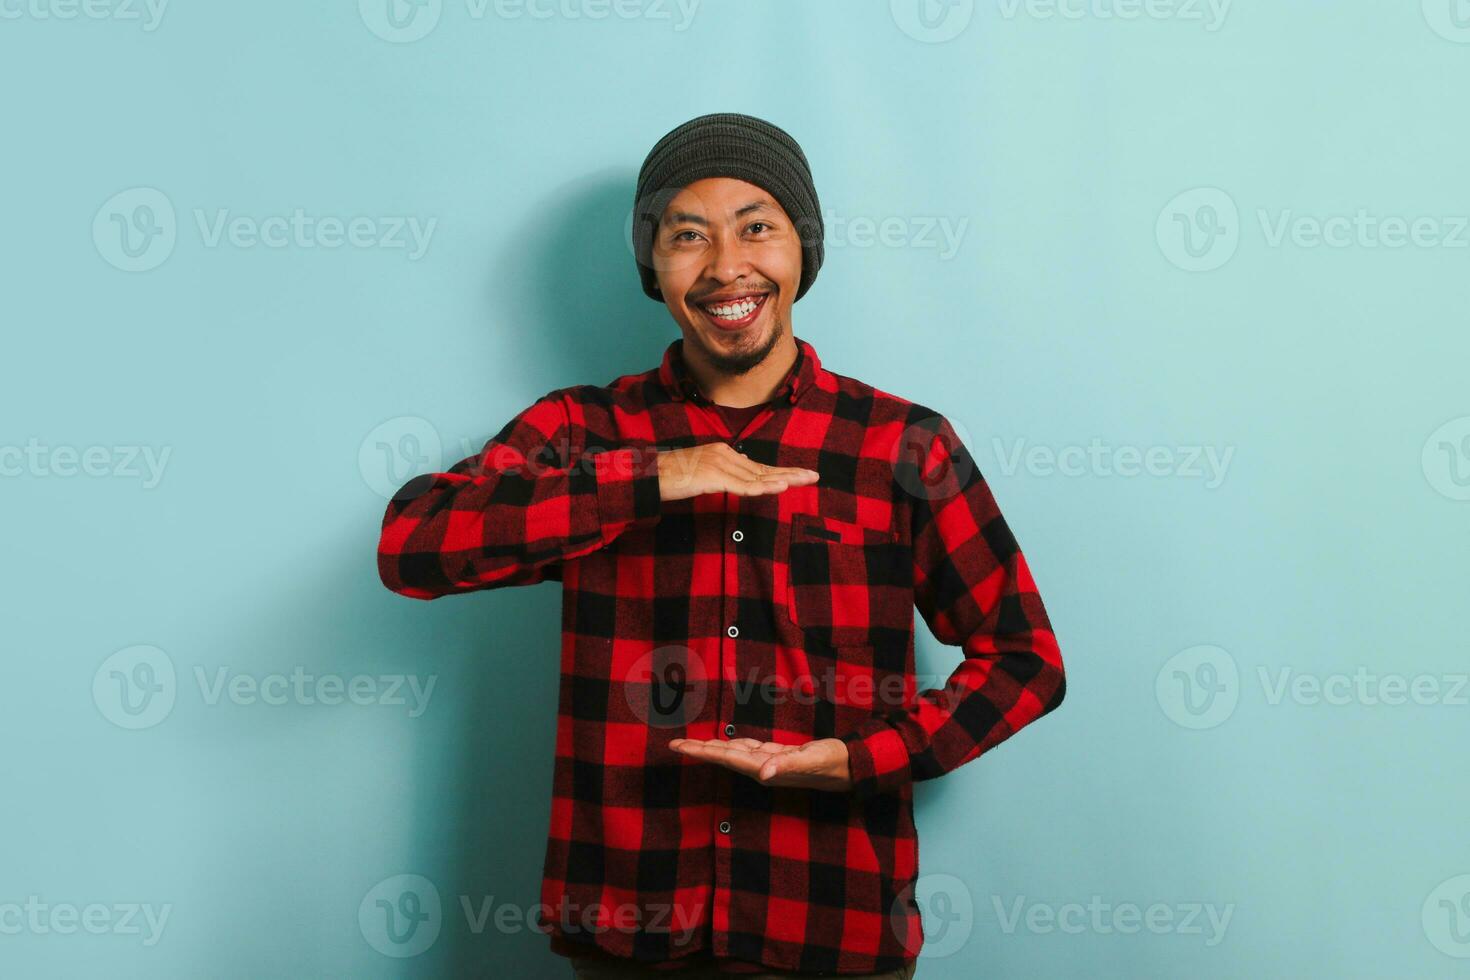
742 537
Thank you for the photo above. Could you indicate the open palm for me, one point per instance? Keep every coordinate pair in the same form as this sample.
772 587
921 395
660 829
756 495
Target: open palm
819 764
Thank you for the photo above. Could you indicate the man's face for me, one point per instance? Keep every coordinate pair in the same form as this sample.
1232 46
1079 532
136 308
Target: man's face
725 243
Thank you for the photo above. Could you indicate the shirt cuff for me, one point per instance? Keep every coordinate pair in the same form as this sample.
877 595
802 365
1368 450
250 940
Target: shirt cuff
877 758
627 489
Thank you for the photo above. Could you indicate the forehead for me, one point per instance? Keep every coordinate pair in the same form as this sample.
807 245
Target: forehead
717 196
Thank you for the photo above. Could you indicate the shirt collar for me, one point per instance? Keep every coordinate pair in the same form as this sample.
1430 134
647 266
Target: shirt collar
681 384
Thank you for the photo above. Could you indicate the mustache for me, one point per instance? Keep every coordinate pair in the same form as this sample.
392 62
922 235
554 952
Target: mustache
748 289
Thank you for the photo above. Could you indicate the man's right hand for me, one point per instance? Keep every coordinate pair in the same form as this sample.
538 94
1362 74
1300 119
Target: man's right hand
717 466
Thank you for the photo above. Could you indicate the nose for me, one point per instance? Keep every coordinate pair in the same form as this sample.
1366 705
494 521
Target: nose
729 258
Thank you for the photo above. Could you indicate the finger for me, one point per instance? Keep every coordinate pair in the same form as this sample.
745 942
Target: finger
743 467
750 468
742 475
740 760
756 488
744 481
789 475
772 769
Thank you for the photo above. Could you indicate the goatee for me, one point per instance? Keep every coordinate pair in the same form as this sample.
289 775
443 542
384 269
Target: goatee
738 362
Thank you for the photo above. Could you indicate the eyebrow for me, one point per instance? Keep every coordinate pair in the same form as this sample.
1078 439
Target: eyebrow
680 216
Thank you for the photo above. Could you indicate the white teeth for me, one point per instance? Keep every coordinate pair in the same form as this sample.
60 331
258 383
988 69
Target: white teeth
734 311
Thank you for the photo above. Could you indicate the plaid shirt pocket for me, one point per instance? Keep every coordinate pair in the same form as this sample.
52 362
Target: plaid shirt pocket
851 586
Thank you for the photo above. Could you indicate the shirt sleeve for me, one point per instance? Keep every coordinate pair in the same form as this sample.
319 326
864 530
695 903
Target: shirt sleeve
531 499
975 591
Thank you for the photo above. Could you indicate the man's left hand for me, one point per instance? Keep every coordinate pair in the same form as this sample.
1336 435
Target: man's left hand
820 764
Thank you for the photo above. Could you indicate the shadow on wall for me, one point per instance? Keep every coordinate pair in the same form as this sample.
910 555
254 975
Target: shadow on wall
564 299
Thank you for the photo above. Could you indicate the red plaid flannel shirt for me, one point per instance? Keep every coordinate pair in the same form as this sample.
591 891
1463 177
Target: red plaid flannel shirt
781 617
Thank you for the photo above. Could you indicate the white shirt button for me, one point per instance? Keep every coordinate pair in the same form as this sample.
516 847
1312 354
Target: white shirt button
733 631
737 535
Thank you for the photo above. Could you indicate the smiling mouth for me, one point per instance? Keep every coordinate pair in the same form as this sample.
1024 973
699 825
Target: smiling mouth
734 314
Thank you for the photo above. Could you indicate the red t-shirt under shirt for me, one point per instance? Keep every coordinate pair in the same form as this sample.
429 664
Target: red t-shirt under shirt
738 418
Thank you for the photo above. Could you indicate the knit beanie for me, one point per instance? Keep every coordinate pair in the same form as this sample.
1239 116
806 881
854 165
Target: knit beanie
727 144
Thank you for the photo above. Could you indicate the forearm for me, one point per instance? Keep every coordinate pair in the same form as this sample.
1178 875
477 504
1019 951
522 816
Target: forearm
1006 681
975 590
506 516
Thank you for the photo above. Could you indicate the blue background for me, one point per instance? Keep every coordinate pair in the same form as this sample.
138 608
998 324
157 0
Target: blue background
1135 270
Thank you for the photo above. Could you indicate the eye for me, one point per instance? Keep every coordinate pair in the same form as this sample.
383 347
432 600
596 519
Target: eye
759 224
678 236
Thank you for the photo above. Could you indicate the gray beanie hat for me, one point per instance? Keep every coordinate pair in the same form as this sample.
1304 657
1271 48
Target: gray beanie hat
727 144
